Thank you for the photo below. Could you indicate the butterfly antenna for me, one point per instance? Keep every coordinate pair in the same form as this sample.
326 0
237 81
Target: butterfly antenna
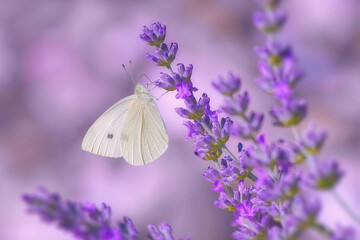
131 71
162 95
151 82
148 84
128 75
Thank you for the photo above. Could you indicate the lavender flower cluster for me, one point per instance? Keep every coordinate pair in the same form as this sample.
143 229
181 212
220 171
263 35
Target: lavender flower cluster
86 221
276 205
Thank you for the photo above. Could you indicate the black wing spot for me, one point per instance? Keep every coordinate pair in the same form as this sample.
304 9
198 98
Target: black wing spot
110 136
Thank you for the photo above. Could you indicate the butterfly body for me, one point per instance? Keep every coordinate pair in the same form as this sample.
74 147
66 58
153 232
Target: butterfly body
132 128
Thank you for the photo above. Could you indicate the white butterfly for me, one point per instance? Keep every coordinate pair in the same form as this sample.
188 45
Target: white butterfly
132 128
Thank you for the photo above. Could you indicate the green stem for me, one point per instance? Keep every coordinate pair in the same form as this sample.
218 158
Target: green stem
321 228
170 69
296 134
345 206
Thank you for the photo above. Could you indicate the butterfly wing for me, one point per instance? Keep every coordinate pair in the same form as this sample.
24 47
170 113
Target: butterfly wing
103 137
144 137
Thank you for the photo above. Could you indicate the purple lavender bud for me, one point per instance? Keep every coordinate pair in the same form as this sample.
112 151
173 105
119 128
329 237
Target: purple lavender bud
277 233
231 171
188 72
166 230
246 193
218 186
226 202
166 82
266 71
172 52
266 84
244 233
240 147
211 174
269 155
154 35
304 211
295 153
207 148
228 86
184 74
245 156
195 129
285 189
270 4
246 209
177 78
184 113
204 101
253 227
280 86
184 90
226 124
249 129
290 74
267 25
238 105
311 207
155 58
312 140
344 233
282 90
154 233
163 56
128 228
164 50
274 54
327 175
212 115
181 69
291 113
195 110
163 233
255 121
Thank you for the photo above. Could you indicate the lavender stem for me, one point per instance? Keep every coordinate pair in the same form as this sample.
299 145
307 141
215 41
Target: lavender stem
345 206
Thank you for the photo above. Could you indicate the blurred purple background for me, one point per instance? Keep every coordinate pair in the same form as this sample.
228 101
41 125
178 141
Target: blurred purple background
60 69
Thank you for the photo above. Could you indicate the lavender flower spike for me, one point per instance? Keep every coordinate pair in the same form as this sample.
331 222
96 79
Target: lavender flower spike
312 140
154 35
238 105
291 113
85 221
228 86
327 175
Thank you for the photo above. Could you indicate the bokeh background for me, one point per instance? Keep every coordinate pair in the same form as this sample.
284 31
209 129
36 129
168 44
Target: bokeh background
60 69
